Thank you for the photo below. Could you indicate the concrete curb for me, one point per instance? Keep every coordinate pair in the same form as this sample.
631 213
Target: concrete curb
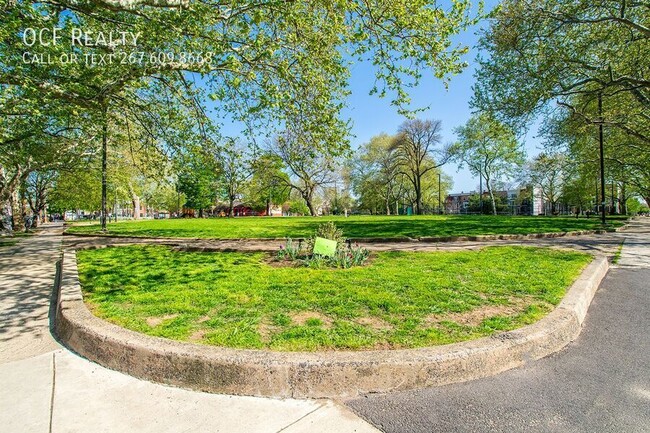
314 375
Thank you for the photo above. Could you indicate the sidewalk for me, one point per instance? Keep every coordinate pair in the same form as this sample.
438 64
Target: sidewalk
595 243
26 279
46 388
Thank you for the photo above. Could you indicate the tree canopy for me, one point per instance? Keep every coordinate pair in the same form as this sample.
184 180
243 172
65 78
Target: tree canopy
489 149
541 55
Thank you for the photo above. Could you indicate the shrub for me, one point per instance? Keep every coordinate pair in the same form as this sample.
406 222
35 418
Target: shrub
329 230
345 257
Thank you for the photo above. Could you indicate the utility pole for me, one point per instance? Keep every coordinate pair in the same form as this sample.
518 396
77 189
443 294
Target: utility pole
602 158
480 193
439 194
104 151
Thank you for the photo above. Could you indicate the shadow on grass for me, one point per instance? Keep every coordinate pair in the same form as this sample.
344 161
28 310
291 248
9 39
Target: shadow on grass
353 227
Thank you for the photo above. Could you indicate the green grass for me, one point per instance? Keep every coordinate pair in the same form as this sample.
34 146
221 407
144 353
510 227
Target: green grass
353 227
399 300
13 239
617 254
8 242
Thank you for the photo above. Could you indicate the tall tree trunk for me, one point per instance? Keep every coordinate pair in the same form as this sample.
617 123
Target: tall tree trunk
17 218
23 212
312 210
494 203
308 196
135 200
231 206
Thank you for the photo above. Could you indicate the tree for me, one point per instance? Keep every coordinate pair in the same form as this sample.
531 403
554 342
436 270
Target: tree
374 174
477 204
268 184
37 189
417 153
626 158
77 189
197 180
578 189
265 63
489 149
548 172
540 55
264 58
308 170
235 171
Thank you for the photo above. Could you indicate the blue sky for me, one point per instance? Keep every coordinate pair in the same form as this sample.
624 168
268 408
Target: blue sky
371 115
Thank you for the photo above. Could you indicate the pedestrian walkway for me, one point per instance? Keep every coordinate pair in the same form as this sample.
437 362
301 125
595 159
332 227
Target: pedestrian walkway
605 243
46 388
26 281
636 250
598 383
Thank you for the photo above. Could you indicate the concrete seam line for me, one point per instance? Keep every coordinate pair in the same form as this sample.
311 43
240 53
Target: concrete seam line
300 419
53 390
311 374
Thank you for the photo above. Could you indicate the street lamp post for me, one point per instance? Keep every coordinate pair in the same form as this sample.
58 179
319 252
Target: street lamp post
602 158
480 193
439 195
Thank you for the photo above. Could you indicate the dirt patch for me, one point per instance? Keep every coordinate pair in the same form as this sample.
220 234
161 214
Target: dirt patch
198 335
155 321
266 330
375 323
203 319
302 317
477 315
274 262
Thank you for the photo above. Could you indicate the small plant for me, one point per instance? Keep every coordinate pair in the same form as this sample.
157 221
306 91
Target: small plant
342 259
290 251
313 321
346 255
329 230
358 255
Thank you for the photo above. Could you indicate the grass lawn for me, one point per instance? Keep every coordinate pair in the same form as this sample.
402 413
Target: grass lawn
11 240
8 242
353 227
399 300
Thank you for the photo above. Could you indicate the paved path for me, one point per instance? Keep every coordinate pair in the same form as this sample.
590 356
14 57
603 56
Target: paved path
26 280
599 383
46 388
603 243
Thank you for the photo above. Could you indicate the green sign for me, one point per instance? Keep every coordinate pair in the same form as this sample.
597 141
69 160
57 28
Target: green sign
324 247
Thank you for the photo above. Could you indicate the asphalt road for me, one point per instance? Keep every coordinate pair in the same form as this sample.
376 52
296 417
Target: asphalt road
599 383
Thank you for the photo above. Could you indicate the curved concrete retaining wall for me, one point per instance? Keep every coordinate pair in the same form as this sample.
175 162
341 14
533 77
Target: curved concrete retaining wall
314 375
